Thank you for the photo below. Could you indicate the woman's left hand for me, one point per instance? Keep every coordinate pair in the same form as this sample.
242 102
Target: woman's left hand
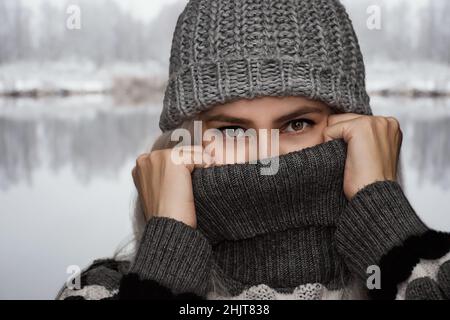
373 148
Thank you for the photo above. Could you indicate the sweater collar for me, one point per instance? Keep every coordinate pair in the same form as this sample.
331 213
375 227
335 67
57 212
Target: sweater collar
275 229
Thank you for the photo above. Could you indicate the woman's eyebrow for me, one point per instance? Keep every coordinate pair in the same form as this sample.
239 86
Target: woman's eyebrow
225 118
289 116
298 113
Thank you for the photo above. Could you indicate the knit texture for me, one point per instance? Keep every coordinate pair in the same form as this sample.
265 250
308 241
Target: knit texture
443 278
224 50
291 235
377 219
310 291
275 229
171 249
437 271
423 289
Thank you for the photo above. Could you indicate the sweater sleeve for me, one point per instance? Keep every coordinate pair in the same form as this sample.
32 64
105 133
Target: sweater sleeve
380 228
173 261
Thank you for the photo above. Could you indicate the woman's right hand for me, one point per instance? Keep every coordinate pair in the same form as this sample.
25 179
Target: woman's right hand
165 186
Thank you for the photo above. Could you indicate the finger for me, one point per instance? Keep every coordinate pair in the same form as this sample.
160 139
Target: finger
394 140
336 118
395 131
183 155
137 184
193 156
207 159
134 175
339 130
199 156
395 124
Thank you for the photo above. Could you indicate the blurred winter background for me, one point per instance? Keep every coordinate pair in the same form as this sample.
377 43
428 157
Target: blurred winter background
78 105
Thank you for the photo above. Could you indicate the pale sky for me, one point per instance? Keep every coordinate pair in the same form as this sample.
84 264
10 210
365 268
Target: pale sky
142 9
148 9
145 9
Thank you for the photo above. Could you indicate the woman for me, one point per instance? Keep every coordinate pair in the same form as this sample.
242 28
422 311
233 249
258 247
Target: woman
330 222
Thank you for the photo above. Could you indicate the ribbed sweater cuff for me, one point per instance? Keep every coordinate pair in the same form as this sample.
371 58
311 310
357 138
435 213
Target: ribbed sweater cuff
175 255
377 219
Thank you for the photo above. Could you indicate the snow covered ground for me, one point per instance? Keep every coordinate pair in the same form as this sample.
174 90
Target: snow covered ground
407 78
75 77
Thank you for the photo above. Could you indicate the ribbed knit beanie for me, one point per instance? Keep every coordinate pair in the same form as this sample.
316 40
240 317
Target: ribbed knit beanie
225 50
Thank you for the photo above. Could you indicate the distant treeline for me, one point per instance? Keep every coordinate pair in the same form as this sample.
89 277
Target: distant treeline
109 33
410 30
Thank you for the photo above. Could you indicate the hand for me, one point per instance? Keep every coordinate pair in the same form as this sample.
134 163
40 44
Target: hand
165 187
373 148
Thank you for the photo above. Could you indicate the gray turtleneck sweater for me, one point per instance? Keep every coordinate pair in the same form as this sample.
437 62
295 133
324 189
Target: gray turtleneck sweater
292 235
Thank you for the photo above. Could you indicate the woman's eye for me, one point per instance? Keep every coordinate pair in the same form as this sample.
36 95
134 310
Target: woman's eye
298 125
233 132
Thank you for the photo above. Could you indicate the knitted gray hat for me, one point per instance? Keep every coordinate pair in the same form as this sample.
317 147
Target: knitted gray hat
224 50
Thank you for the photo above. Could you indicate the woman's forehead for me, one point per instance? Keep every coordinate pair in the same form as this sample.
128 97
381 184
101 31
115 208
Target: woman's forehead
264 106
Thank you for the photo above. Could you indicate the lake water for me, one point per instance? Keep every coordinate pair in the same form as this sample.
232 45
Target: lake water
66 192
